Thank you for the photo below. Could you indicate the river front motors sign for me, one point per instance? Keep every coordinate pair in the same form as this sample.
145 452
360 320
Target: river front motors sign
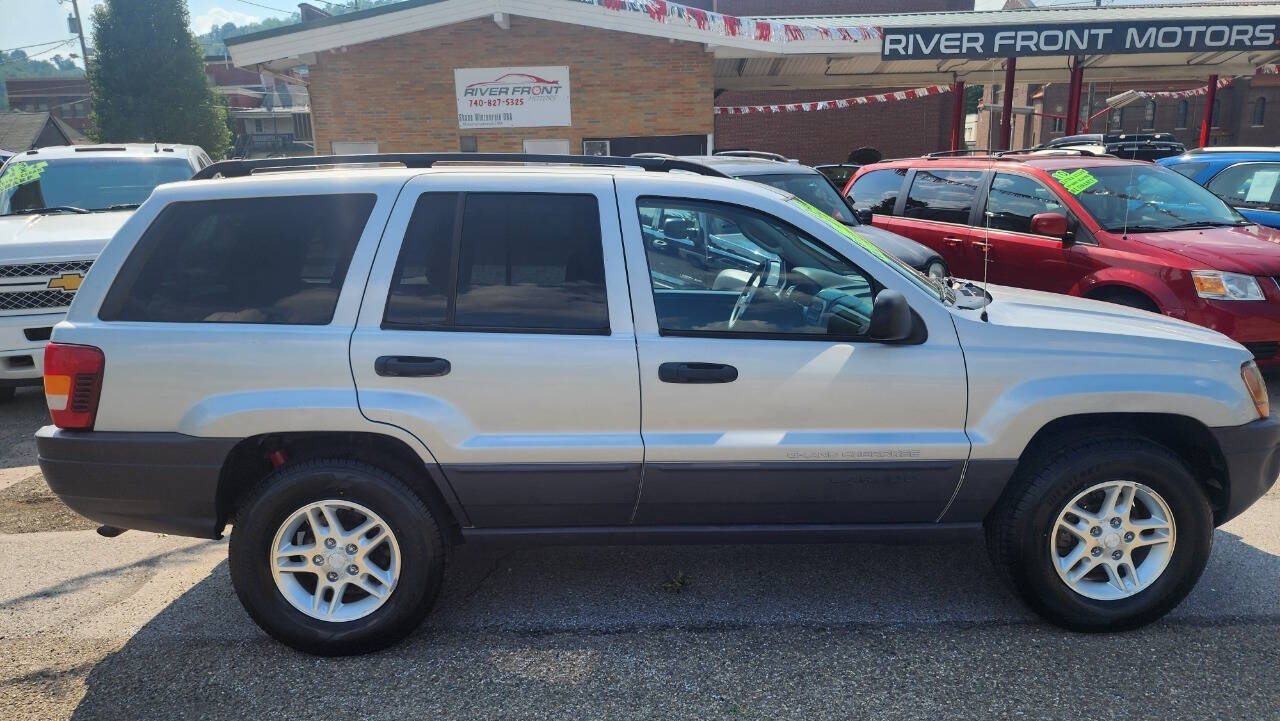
513 97
1138 36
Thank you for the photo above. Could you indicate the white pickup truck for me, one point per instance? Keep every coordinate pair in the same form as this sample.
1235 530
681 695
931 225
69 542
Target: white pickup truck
58 207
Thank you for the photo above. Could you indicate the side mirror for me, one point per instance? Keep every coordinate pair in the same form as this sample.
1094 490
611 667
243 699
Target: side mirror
1053 225
677 229
863 215
891 318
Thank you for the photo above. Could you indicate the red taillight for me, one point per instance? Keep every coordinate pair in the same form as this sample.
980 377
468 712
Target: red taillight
72 384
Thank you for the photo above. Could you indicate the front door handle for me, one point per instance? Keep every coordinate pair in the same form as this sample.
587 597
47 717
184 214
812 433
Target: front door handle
410 366
952 241
697 373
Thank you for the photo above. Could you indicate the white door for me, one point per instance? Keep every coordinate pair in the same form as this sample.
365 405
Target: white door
499 333
546 147
763 398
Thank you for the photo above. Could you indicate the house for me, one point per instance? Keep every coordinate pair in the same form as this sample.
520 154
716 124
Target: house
24 131
67 98
269 112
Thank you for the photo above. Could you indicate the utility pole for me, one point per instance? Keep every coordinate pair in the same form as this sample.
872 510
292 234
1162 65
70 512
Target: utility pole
84 49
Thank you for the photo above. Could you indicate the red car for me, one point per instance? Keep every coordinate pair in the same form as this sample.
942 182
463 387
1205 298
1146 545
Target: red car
1123 231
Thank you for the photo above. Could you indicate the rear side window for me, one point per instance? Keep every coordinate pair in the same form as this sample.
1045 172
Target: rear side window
521 262
1250 185
278 260
945 196
878 190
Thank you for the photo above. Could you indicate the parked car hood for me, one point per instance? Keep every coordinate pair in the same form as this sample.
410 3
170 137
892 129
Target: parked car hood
1252 249
27 238
904 249
1065 316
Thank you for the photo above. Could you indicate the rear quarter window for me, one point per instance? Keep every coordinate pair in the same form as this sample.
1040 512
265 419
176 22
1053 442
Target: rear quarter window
242 260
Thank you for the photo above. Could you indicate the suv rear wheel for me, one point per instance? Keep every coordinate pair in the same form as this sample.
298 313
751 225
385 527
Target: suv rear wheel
1103 534
334 557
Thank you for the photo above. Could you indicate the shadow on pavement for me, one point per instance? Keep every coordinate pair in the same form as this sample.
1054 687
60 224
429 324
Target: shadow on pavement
755 632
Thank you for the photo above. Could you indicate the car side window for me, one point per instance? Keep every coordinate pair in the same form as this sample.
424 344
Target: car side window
279 260
748 273
1015 199
1190 170
1249 185
877 191
944 196
516 262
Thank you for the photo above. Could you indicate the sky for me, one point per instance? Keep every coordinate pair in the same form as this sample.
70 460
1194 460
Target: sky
27 22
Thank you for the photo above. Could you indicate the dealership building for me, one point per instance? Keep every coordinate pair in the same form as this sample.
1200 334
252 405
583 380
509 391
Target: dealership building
624 76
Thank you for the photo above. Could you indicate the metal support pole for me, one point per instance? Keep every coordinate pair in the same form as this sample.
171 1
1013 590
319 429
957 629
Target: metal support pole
1073 100
1211 94
957 114
1006 115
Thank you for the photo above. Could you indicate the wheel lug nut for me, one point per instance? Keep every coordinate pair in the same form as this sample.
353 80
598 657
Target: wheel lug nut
352 569
351 549
1115 522
1095 531
1096 552
332 576
1128 537
318 560
1116 555
330 543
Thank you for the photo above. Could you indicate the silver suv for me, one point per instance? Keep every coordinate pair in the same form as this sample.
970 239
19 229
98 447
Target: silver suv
360 367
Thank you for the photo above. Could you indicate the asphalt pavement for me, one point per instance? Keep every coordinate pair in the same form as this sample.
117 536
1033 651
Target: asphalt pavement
146 626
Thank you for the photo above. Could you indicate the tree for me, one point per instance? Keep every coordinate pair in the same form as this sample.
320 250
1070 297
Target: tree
147 78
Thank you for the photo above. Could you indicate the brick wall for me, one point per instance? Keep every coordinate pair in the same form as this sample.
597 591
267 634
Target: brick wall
898 128
399 92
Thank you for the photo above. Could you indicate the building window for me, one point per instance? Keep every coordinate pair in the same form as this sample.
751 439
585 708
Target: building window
1149 116
1259 112
1180 117
1117 119
1058 123
995 94
257 126
469 144
1217 113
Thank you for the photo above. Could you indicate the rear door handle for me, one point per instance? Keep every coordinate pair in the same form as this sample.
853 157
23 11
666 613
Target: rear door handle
410 366
697 373
952 241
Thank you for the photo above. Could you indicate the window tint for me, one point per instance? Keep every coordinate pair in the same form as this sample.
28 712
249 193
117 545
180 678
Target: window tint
1250 185
878 190
718 268
420 285
943 195
1191 170
521 261
275 260
1015 199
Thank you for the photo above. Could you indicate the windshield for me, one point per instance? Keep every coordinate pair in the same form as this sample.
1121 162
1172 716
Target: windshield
812 188
1143 198
937 288
85 183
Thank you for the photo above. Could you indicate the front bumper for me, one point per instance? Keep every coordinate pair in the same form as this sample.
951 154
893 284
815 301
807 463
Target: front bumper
1252 452
162 482
22 341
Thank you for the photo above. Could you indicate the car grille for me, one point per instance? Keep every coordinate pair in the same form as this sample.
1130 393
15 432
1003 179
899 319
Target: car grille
36 270
35 300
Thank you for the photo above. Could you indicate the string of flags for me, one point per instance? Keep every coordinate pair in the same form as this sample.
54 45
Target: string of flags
834 104
713 23
1192 93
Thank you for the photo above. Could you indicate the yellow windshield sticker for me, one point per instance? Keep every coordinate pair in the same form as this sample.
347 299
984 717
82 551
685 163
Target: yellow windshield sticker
844 230
21 174
1076 181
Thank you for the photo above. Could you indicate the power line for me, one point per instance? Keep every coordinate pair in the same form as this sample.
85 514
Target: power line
36 45
265 7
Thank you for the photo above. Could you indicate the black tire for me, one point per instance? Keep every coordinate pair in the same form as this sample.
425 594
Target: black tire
422 555
1018 529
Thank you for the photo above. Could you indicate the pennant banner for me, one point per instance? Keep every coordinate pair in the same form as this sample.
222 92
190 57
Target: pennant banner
712 23
1192 93
834 104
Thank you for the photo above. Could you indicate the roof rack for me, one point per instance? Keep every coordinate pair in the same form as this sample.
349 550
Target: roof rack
762 155
242 168
1004 154
961 151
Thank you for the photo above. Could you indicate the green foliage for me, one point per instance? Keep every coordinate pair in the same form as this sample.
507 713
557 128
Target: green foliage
212 41
972 97
147 78
16 64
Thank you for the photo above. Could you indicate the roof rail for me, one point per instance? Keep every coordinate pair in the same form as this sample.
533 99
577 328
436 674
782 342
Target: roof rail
961 151
762 155
242 168
652 155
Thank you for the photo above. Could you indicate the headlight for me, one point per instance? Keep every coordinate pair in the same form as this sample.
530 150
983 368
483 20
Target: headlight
1218 285
1257 387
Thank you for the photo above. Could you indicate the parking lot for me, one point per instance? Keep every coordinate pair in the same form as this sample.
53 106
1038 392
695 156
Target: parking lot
147 626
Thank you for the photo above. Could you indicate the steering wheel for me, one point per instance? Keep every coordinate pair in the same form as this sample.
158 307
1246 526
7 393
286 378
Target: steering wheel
748 293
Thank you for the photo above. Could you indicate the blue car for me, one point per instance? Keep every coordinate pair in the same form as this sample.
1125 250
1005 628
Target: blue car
1248 179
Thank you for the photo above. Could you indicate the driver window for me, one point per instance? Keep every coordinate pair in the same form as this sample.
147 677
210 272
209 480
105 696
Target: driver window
1015 200
721 268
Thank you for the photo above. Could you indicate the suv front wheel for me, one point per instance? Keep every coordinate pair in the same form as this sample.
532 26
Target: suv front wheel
1103 534
334 557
